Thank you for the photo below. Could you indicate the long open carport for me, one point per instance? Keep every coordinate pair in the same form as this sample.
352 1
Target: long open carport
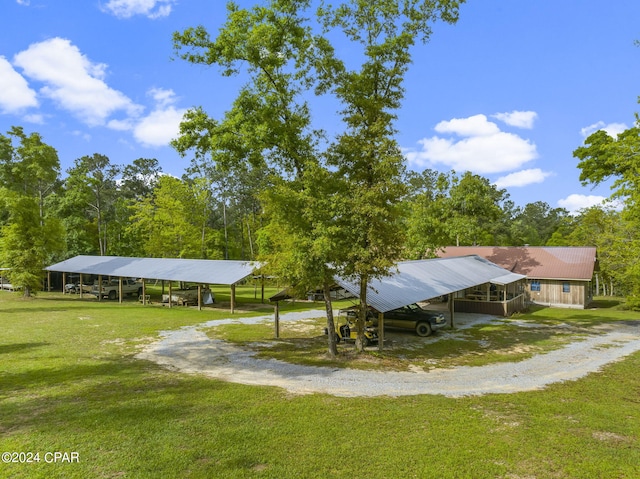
200 271
422 280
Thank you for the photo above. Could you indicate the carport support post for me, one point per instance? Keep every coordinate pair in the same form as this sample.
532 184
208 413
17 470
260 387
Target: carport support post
49 281
81 288
233 298
64 283
199 297
170 293
277 320
120 289
99 287
451 310
144 292
380 331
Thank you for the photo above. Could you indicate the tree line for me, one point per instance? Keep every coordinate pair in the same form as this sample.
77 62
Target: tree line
100 208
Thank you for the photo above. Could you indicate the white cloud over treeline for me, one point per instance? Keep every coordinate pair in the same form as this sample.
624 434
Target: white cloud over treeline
479 145
612 129
56 70
522 178
576 202
72 81
148 8
15 93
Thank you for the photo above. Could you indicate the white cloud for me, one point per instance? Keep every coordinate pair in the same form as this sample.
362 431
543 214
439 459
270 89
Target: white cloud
121 125
73 81
484 148
148 8
15 94
522 178
519 119
612 129
476 125
162 97
81 134
23 2
575 202
34 118
163 123
159 128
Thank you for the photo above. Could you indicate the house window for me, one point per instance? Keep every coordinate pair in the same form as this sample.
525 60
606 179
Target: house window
565 287
535 285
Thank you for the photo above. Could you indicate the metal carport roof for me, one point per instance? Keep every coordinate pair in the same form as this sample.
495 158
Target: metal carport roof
205 271
425 279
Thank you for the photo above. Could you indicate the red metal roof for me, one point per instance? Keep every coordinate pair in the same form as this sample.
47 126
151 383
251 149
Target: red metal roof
539 262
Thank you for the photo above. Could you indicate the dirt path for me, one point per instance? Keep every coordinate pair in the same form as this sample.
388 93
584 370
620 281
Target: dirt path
190 350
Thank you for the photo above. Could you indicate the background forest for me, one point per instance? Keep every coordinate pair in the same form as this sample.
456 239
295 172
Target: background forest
101 208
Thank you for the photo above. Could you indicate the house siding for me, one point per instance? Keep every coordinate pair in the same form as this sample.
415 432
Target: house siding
552 294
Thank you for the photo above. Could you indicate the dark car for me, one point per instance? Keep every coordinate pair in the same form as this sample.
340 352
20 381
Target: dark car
412 317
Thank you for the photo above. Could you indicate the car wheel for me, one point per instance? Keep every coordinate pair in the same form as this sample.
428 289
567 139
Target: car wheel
112 294
423 329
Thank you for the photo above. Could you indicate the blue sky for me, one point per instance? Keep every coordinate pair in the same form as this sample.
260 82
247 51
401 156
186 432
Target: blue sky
508 92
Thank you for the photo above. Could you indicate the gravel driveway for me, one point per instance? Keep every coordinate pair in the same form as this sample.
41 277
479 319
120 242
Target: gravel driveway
190 350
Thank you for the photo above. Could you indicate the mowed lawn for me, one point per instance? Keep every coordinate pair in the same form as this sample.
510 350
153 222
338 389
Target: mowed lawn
69 383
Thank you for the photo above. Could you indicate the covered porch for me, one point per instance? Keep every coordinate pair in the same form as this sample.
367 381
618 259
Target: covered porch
499 298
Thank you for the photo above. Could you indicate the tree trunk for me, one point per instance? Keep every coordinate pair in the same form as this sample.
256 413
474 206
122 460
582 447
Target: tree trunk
203 249
250 241
362 314
242 239
226 233
331 328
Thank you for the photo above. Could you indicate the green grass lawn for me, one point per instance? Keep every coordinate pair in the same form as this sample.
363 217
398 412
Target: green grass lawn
69 382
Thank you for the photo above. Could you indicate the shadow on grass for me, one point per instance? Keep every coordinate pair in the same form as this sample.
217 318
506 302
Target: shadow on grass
605 303
33 310
51 377
14 348
118 393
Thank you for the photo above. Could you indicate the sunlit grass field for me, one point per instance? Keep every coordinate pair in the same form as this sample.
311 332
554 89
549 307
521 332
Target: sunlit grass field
69 383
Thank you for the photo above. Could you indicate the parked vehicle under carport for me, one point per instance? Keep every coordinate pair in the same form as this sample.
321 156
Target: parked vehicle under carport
412 318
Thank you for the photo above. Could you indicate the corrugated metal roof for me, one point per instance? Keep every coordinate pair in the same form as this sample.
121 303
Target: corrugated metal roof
204 271
537 262
425 279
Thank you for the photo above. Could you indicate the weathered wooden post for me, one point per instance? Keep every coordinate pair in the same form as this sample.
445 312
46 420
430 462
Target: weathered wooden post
233 298
380 331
